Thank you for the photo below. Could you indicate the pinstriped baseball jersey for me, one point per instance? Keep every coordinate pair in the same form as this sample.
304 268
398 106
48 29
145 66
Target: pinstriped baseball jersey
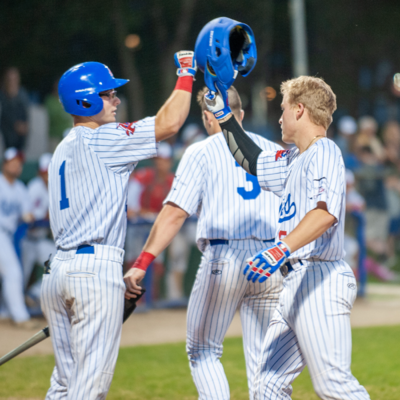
14 203
228 201
303 180
88 179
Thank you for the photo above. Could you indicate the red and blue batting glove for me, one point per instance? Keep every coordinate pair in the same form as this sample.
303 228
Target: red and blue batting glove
266 262
218 103
186 63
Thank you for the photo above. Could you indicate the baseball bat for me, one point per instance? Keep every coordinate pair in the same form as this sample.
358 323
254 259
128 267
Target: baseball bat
129 307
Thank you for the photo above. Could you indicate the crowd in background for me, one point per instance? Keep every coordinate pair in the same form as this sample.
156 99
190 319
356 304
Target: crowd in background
371 154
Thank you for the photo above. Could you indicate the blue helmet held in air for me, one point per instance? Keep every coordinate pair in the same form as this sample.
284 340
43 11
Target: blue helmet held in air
223 48
80 86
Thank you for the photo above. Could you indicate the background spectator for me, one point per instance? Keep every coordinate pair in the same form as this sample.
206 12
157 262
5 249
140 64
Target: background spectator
347 127
38 244
14 207
14 104
370 174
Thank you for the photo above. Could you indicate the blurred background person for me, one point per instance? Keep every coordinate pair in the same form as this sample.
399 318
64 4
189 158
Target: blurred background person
14 103
391 141
354 243
191 133
370 175
367 137
38 244
59 120
15 206
346 128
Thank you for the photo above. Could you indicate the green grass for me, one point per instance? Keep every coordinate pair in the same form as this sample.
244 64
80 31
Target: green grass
162 372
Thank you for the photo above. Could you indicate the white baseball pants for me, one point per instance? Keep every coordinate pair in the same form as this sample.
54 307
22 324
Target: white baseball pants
83 301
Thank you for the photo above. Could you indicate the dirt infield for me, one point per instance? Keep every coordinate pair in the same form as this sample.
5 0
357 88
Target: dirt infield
382 307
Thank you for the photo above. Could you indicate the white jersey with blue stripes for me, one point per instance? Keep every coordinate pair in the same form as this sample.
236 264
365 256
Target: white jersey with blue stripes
14 203
88 180
301 181
228 201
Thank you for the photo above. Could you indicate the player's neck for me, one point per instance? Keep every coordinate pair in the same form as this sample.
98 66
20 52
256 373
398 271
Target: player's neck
306 139
9 178
86 121
88 124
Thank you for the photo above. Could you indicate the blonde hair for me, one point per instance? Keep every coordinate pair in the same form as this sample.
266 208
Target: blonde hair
316 96
235 103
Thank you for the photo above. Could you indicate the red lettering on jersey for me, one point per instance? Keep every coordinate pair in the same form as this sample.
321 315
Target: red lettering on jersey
128 127
281 154
282 234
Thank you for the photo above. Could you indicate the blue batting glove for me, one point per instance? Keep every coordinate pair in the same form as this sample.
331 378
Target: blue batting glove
186 63
218 103
266 262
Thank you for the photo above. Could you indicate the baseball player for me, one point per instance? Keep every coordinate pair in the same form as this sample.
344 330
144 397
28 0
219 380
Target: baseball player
36 246
15 206
83 295
311 325
236 219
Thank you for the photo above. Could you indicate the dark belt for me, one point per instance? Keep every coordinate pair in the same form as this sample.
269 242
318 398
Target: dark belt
215 242
287 268
85 249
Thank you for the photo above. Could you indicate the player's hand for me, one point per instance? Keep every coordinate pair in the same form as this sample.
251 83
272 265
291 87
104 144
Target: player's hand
186 63
132 279
266 262
218 103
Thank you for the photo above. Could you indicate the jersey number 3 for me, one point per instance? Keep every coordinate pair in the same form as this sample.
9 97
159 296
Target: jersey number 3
249 194
64 202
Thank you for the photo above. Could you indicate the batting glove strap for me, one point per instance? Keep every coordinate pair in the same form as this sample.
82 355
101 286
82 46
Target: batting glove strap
266 262
186 72
218 104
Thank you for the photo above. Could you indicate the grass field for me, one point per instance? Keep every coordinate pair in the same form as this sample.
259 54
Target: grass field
162 372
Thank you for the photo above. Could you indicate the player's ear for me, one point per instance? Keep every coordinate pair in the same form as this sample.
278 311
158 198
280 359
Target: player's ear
299 111
241 115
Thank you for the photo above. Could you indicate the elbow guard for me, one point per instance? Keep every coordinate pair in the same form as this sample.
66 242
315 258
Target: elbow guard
243 149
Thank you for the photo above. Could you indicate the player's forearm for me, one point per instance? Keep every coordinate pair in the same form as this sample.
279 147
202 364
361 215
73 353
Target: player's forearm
242 147
172 114
165 228
310 228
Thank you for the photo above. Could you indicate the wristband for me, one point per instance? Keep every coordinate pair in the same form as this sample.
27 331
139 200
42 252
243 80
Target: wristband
184 83
143 261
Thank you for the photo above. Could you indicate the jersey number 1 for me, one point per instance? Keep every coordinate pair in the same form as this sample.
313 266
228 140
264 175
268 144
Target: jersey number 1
64 203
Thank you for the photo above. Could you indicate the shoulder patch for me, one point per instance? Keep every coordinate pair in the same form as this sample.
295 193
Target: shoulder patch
280 154
128 127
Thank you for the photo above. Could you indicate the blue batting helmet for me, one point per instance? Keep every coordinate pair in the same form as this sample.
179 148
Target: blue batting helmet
223 48
83 83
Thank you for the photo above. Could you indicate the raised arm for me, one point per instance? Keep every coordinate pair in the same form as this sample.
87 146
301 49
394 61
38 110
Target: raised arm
175 110
270 167
242 147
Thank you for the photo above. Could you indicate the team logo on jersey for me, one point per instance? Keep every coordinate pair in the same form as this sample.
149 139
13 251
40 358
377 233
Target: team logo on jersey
128 128
287 210
352 286
281 154
216 272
